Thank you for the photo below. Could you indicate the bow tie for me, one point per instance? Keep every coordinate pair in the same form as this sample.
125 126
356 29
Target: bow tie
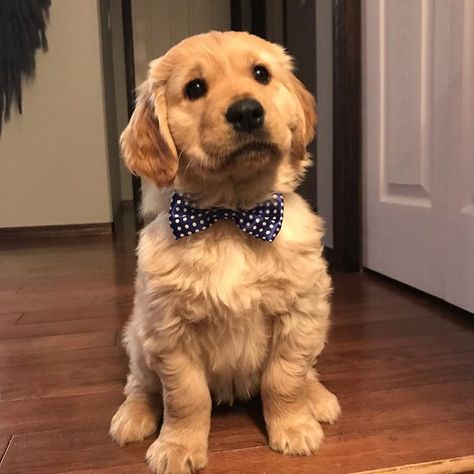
262 222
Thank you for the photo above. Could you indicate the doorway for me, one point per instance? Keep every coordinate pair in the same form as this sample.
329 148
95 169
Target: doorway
324 38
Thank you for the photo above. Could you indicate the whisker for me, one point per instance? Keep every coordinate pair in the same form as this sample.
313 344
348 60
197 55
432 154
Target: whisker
188 165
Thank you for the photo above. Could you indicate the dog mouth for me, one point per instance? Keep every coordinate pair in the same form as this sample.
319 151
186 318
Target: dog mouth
250 155
250 150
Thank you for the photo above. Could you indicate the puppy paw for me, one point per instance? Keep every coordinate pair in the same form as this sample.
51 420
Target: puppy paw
135 420
166 457
322 403
301 434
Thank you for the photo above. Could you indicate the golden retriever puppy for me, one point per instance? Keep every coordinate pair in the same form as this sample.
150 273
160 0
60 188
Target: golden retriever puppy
232 293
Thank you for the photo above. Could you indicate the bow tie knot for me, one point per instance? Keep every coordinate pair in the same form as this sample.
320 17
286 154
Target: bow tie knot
263 221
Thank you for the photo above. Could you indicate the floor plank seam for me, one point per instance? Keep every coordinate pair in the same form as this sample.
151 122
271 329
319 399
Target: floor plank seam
18 320
380 429
2 457
236 450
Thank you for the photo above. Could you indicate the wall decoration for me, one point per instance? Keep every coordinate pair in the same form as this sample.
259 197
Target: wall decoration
22 32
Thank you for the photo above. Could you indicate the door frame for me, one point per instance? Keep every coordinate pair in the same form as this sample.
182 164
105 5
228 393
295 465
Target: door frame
129 54
347 144
346 254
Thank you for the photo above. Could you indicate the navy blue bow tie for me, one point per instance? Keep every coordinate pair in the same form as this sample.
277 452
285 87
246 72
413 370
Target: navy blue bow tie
263 221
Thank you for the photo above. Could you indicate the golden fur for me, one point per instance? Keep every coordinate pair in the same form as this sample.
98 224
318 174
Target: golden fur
221 313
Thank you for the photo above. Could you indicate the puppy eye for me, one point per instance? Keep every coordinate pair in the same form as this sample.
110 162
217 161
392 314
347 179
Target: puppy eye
261 74
195 89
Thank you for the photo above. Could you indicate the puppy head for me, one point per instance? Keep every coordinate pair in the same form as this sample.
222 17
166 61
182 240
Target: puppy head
220 106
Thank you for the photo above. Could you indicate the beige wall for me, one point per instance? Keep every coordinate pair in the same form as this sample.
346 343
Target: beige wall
54 157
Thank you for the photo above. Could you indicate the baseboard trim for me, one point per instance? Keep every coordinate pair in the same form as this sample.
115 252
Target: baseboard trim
464 464
52 231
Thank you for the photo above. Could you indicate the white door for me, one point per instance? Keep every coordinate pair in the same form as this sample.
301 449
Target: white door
418 144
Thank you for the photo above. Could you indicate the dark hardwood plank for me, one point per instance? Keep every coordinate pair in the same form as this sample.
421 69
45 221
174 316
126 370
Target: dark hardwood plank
400 362
9 288
95 281
457 341
43 344
43 414
31 383
90 450
405 309
406 406
139 468
391 374
85 325
74 357
100 310
7 320
69 450
65 300
351 453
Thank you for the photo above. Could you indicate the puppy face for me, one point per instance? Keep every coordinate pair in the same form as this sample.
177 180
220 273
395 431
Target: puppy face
219 106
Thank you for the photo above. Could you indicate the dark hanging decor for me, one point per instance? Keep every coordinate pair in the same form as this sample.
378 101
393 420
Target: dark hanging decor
22 32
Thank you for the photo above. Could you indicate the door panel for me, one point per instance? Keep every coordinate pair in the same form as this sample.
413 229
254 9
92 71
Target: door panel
460 205
417 144
406 170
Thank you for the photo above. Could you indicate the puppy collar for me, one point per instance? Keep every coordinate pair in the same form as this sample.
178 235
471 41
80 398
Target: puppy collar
262 222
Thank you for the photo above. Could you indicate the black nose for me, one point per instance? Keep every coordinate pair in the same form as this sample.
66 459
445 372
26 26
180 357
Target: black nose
245 115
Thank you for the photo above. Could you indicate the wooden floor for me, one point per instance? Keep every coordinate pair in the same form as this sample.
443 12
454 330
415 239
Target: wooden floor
401 363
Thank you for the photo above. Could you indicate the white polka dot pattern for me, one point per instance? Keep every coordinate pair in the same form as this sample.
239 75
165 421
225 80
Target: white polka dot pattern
264 220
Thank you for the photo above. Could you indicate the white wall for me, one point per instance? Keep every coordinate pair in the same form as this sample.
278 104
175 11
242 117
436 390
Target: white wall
54 157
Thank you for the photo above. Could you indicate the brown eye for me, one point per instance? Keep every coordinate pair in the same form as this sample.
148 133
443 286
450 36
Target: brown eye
261 74
195 89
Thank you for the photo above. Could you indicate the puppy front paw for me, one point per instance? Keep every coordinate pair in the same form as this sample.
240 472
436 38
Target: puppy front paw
167 457
135 420
301 434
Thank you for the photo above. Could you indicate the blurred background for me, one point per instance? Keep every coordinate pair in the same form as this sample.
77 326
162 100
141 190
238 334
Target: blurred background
394 168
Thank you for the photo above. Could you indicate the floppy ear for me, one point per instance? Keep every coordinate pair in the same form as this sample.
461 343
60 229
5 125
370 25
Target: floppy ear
147 146
308 105
304 133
